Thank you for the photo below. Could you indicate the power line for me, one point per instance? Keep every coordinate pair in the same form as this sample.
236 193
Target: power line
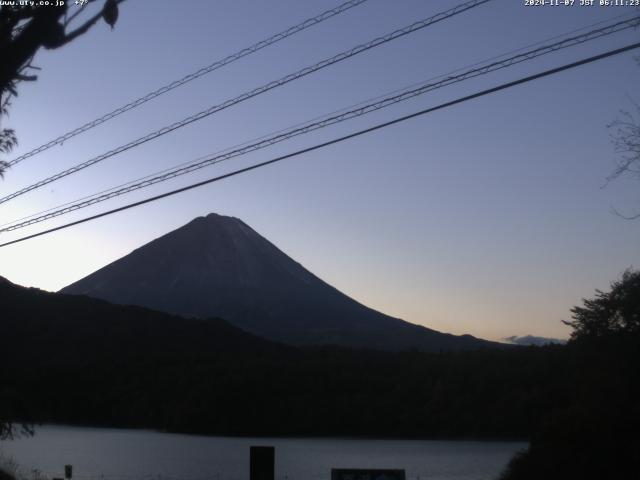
257 91
338 140
335 112
310 22
264 142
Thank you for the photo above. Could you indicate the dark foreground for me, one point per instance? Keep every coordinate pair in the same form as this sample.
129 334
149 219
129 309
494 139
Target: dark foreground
76 360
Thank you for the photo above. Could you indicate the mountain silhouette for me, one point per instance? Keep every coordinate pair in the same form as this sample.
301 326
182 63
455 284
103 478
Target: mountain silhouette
218 266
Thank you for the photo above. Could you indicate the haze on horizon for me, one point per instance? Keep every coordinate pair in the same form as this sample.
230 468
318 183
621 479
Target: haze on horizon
487 218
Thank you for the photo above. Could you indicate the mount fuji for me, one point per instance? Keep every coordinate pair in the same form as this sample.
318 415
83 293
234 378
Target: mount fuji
218 266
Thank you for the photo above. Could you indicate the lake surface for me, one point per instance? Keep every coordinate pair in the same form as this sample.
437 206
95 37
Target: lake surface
111 454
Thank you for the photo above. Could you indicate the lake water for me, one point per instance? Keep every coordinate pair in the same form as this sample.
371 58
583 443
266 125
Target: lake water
111 454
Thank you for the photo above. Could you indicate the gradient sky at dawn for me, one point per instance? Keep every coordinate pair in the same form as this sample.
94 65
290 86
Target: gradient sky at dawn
486 218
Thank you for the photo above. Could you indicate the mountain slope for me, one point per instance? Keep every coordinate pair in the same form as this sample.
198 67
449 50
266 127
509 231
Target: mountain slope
217 266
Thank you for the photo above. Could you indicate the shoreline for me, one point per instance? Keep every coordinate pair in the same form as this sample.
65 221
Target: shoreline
280 437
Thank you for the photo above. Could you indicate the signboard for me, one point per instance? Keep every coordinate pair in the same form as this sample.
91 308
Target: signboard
262 463
366 474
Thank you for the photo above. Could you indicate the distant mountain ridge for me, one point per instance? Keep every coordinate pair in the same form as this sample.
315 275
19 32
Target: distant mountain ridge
527 340
218 266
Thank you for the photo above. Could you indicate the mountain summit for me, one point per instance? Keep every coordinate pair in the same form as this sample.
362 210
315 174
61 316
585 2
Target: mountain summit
218 266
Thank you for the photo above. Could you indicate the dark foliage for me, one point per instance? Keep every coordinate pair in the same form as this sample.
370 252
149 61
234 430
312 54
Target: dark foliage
25 28
609 312
595 434
79 360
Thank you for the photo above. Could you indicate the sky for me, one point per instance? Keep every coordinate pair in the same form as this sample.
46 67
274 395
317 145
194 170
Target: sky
492 217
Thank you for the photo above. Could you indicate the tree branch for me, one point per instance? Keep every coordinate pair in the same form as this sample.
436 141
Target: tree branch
72 17
84 28
626 217
26 78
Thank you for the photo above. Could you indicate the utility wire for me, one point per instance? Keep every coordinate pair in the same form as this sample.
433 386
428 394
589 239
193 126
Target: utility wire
335 112
379 126
310 22
324 122
257 91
